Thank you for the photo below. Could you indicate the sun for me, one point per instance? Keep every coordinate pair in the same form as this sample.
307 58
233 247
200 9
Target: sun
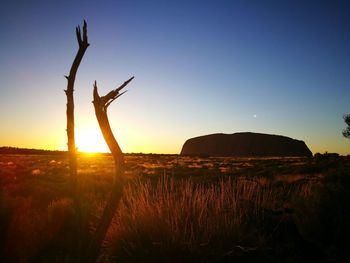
90 140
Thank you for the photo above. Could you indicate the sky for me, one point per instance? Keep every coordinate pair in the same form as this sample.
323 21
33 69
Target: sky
200 67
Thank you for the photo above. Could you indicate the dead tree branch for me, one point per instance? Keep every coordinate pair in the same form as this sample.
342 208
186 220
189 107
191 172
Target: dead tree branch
83 45
101 104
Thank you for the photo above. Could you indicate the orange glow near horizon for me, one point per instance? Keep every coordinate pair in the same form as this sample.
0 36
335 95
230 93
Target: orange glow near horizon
90 140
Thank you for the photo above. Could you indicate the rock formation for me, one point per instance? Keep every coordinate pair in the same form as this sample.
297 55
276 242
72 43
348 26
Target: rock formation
245 144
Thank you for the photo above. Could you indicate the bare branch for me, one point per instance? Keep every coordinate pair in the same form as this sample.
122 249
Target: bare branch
106 100
77 32
100 105
85 38
124 84
83 45
108 103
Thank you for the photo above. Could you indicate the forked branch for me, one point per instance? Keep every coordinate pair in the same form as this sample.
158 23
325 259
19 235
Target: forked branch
101 104
83 45
106 100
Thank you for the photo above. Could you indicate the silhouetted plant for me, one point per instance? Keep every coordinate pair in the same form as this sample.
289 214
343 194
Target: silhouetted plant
101 104
171 220
346 131
323 217
4 220
82 39
83 45
182 221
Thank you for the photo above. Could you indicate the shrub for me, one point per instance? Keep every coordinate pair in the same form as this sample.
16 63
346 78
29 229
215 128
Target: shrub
26 232
182 221
323 217
4 220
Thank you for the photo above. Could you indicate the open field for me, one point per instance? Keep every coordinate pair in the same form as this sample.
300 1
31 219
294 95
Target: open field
175 208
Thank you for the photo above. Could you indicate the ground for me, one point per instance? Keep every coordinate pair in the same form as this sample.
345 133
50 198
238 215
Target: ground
178 208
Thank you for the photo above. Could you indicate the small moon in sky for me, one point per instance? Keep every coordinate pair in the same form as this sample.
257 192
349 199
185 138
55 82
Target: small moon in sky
254 115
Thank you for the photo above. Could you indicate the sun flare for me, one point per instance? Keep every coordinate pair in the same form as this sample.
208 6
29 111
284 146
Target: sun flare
90 140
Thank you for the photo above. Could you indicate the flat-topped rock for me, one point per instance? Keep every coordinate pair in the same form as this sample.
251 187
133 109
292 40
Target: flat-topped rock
245 144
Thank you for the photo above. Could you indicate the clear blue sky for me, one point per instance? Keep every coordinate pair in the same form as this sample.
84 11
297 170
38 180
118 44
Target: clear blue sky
200 67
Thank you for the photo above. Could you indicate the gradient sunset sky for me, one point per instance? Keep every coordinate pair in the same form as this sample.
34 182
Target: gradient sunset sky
200 67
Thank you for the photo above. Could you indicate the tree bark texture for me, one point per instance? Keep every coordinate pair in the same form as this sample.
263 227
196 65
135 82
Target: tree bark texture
101 104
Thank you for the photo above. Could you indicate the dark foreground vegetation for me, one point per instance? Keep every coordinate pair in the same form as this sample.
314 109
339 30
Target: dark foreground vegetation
179 209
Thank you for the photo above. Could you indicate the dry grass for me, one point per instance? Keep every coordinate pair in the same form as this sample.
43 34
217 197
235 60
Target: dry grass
188 221
206 210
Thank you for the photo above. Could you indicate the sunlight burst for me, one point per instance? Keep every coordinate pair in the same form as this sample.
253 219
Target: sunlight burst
90 140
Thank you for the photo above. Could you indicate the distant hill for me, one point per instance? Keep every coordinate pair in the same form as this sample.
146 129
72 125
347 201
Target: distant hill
16 150
245 144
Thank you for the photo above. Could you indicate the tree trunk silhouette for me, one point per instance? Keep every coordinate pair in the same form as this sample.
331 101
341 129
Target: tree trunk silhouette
83 45
101 104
